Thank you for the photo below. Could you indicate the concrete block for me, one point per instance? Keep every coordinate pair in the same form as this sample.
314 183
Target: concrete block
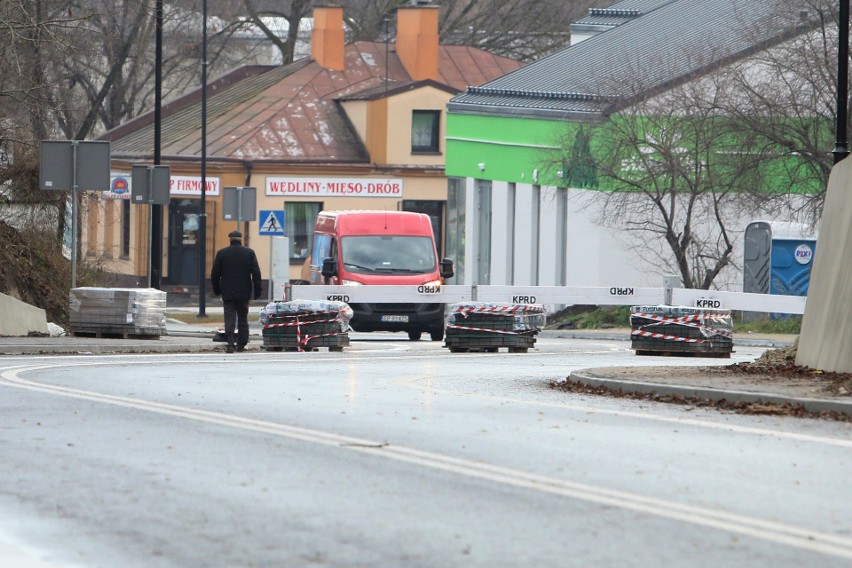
20 319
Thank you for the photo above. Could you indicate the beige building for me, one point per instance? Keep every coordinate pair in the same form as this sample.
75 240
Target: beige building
357 126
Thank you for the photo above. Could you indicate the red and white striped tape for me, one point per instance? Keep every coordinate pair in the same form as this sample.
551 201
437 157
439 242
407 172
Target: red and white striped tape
499 310
297 323
687 321
449 325
302 342
641 333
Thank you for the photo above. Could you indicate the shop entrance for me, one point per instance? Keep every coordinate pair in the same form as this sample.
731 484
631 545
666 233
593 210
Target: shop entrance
435 210
184 241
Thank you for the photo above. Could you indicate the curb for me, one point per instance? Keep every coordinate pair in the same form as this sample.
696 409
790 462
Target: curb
644 387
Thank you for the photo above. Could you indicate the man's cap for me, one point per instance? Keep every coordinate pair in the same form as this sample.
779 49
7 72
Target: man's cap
235 235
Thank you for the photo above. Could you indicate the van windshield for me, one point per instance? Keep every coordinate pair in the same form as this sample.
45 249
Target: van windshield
388 254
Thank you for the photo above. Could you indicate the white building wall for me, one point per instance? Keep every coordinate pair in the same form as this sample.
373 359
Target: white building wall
548 233
502 239
525 240
470 231
596 255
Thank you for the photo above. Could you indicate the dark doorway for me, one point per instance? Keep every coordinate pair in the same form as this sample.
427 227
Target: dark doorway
435 210
184 241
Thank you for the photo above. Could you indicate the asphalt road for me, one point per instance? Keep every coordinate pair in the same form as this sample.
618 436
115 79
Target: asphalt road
396 453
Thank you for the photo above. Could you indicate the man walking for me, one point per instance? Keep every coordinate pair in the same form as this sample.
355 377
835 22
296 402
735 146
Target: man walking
235 275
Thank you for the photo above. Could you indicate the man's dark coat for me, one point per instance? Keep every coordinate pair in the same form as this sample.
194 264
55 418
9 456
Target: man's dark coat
236 274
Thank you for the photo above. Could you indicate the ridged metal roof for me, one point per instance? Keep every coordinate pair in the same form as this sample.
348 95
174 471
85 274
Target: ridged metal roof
620 13
675 41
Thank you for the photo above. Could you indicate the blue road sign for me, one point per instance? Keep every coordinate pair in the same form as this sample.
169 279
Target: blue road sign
271 223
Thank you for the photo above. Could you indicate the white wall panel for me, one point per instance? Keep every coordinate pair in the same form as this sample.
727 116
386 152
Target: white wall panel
501 238
548 232
525 240
470 231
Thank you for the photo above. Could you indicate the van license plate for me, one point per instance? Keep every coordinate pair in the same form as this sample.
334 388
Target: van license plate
399 319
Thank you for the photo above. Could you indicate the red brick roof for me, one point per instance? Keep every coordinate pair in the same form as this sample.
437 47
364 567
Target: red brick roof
289 113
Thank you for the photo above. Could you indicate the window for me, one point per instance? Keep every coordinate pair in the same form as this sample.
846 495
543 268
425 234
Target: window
435 210
300 218
424 130
455 226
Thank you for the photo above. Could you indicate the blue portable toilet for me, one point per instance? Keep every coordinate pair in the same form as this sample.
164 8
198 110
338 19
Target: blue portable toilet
792 258
778 258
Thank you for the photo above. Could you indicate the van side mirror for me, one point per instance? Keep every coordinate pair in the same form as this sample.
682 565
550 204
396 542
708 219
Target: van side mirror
329 267
447 268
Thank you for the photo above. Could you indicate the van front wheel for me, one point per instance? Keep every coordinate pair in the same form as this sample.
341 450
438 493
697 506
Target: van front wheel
436 334
415 335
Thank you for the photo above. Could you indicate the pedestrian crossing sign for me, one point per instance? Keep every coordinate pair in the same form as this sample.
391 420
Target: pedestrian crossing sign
271 223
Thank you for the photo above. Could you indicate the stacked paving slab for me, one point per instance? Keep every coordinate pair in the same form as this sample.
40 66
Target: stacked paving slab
681 330
118 312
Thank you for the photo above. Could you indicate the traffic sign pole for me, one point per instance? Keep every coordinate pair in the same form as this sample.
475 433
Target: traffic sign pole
74 214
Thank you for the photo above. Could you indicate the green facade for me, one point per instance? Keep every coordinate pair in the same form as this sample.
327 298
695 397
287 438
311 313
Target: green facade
563 153
510 148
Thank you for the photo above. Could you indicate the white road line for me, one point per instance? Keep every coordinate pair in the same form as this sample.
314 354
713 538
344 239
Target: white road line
789 535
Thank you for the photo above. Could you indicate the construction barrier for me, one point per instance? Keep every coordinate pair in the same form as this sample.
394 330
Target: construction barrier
305 325
487 327
555 296
681 330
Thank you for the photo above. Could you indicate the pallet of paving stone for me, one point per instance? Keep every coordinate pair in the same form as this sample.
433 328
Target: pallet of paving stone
117 312
479 326
681 331
305 325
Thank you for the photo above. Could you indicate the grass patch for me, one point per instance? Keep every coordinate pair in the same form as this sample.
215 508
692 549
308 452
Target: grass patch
789 325
590 317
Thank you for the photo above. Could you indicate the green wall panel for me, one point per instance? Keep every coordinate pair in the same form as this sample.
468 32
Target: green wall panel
511 149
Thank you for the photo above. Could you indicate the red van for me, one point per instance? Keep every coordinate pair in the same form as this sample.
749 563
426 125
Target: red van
381 248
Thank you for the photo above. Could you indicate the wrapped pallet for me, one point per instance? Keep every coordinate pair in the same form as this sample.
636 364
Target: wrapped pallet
681 330
305 325
117 312
484 326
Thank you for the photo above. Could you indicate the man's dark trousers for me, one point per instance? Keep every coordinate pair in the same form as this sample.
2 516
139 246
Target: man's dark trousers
236 315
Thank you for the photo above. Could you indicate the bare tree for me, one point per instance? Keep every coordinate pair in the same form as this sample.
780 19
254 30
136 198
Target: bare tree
673 177
522 30
686 166
782 102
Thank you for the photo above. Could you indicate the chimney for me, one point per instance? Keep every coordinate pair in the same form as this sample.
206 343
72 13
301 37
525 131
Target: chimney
327 37
417 40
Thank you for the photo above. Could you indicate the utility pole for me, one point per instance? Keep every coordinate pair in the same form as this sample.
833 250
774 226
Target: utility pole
202 226
841 148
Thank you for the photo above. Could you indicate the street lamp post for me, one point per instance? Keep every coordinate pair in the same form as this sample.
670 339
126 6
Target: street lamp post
841 148
155 212
202 226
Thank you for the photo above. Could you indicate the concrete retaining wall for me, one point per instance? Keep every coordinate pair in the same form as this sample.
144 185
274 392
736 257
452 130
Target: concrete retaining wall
827 324
19 318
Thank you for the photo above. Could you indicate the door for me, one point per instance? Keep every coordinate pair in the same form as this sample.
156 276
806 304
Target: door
435 210
184 241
